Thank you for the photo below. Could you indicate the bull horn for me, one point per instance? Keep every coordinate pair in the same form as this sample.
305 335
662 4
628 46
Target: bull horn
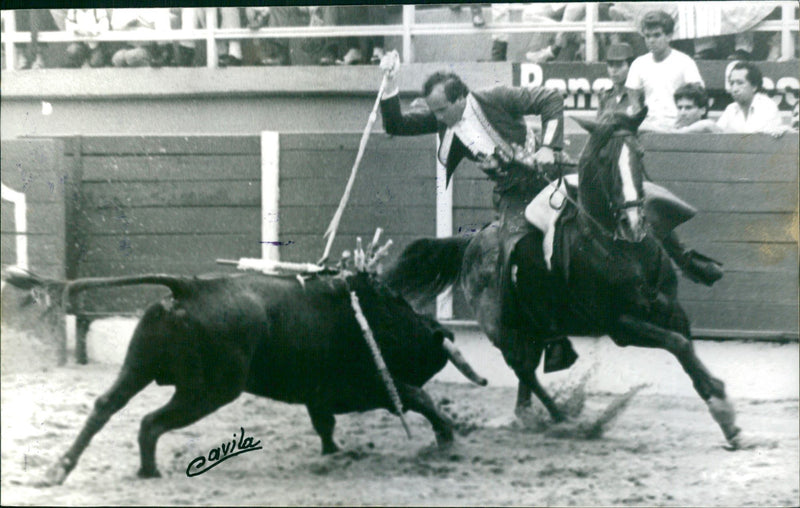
461 364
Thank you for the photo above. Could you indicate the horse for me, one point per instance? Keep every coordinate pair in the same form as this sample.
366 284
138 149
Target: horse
609 274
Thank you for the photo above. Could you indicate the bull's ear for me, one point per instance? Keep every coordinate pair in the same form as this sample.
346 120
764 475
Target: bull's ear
587 124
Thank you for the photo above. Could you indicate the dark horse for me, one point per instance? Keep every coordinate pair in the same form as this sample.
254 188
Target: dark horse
610 275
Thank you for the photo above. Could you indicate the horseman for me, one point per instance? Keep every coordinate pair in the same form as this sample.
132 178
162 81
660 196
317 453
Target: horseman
488 126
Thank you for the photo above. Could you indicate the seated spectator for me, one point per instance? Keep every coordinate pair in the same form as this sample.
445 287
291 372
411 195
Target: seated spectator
30 56
229 51
751 109
660 72
86 23
691 100
360 50
141 53
536 47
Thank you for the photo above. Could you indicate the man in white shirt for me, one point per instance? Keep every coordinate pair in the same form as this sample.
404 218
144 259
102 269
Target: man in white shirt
659 73
750 111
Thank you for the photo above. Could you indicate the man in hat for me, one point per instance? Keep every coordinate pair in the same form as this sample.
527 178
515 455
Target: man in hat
618 63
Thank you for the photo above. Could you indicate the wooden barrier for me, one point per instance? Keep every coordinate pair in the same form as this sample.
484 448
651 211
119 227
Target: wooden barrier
177 203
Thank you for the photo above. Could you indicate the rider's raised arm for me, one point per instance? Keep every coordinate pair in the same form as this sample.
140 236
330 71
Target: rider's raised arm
411 123
395 122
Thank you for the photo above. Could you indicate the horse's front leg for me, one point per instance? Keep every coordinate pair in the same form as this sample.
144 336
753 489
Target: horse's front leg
635 332
523 357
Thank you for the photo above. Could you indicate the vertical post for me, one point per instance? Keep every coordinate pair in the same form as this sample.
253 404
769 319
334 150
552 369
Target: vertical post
270 195
444 228
82 324
211 43
787 22
408 23
10 23
591 40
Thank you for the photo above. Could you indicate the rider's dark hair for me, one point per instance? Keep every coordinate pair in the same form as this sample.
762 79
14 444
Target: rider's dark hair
658 19
454 88
754 76
695 92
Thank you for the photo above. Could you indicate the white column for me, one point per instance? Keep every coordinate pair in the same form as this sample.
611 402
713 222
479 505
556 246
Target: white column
408 22
444 228
270 202
20 223
211 43
10 23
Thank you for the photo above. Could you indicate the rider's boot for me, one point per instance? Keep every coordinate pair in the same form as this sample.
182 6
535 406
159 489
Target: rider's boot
559 355
695 266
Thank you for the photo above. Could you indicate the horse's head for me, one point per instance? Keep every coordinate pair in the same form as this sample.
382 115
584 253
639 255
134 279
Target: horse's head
611 174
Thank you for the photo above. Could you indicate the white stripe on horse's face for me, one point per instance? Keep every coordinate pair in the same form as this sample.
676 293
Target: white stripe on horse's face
629 192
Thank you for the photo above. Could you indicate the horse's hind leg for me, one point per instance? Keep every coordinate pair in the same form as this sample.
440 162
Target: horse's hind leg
635 332
128 383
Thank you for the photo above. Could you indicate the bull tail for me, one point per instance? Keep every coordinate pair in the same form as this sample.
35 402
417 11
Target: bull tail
64 290
427 267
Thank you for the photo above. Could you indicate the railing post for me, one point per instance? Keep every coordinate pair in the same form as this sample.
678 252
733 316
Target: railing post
591 41
787 22
408 22
211 43
10 23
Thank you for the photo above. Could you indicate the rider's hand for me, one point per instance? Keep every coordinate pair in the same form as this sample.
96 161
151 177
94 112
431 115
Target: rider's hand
544 155
390 65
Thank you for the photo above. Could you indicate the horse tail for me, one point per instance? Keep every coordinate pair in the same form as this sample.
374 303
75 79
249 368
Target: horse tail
426 268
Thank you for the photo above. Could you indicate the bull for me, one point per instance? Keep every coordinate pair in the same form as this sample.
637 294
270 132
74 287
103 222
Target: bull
295 341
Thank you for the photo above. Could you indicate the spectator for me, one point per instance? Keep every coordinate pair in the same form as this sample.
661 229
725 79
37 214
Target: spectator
141 54
537 47
751 110
360 50
229 52
475 10
34 21
691 100
618 62
660 72
87 23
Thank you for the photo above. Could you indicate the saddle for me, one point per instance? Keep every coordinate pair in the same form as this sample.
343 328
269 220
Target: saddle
664 210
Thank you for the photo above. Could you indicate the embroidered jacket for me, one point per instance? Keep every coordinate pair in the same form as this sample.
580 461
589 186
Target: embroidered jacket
502 111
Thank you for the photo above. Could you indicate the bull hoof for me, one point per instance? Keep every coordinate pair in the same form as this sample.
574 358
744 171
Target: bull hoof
148 473
328 449
54 476
57 473
445 439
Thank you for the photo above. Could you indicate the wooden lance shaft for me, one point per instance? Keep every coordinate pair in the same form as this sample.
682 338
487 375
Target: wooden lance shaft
331 231
378 358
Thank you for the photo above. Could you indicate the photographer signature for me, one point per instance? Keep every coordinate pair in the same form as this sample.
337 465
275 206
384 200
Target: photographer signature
222 453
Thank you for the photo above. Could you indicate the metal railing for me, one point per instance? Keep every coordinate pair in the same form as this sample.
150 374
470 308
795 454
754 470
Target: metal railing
407 31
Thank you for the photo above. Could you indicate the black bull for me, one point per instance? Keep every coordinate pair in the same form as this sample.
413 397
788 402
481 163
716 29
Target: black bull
217 336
